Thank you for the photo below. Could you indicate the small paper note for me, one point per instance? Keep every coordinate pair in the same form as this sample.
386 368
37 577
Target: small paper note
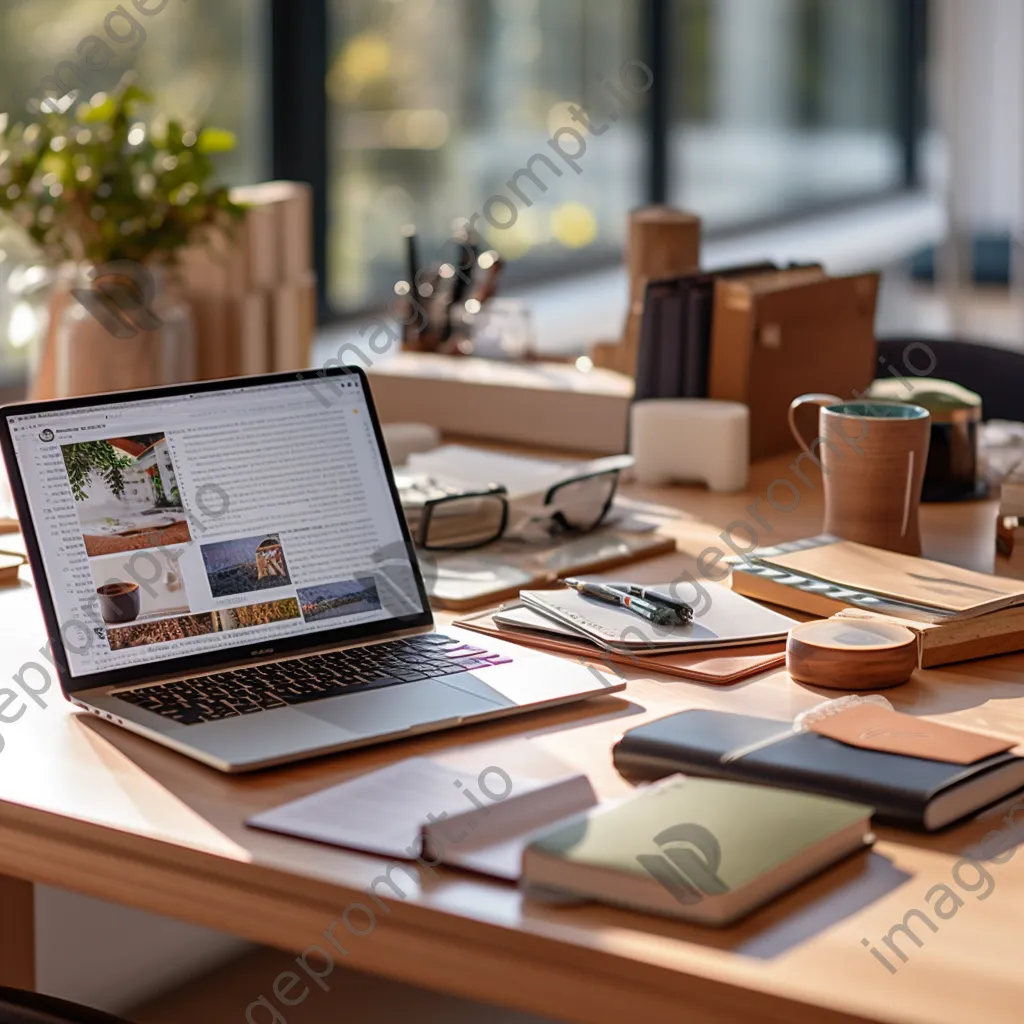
876 728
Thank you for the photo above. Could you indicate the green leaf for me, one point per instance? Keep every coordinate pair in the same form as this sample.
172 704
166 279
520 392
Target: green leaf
105 111
216 140
134 95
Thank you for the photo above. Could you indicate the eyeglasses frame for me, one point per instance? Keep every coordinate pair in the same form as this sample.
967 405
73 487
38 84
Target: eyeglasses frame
499 491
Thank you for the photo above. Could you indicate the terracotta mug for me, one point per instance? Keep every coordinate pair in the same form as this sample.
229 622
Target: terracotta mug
872 457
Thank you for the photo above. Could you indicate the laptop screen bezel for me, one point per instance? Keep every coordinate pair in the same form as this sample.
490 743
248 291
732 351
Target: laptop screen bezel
236 656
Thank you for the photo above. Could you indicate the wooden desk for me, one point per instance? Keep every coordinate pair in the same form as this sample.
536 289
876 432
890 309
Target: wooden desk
91 808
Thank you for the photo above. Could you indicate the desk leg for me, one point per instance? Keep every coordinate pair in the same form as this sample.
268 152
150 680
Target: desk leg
17 934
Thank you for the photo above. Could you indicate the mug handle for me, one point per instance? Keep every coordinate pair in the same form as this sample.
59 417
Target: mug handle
820 400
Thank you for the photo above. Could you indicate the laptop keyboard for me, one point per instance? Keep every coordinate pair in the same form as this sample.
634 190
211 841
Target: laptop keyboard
299 680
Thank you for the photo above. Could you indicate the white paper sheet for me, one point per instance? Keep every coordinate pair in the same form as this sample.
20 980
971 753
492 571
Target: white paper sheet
721 618
384 811
474 468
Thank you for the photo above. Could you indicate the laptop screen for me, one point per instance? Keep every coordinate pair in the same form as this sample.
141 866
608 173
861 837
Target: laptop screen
214 520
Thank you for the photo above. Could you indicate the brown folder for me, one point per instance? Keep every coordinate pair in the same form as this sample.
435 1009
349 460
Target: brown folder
719 668
776 336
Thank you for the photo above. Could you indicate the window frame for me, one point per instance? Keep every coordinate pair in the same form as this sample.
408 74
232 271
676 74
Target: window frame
300 41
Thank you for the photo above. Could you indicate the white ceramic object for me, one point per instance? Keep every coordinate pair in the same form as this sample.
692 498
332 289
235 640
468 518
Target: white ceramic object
687 440
405 439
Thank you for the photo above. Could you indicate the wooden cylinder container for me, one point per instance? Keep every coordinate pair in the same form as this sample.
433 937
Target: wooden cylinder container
843 654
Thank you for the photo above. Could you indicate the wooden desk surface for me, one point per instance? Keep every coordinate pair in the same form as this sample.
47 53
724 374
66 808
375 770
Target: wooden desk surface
92 808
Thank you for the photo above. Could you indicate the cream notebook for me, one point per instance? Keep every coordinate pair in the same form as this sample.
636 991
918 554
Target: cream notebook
721 619
948 589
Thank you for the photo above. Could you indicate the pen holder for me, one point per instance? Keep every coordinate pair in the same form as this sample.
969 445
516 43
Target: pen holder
682 440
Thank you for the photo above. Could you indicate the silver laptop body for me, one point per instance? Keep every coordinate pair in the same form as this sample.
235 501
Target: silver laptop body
224 568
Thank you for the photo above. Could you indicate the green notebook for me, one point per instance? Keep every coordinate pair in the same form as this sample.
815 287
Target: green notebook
703 850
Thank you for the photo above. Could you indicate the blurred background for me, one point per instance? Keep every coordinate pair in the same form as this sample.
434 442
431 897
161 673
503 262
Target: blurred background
862 133
417 110
762 114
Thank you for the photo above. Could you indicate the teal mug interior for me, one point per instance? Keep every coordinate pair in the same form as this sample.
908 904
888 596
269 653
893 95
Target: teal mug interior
879 410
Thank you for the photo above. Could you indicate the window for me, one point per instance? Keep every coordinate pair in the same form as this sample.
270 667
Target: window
781 105
435 105
423 111
758 109
199 60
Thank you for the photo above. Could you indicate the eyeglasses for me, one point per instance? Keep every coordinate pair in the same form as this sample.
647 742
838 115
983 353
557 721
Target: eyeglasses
463 521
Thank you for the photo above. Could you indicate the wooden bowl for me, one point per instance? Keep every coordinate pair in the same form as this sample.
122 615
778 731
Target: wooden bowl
843 654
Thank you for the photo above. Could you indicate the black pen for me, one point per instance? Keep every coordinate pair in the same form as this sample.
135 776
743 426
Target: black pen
411 258
659 614
681 608
463 267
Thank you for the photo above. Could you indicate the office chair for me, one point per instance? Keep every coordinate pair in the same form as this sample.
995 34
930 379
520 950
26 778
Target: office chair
18 1007
992 372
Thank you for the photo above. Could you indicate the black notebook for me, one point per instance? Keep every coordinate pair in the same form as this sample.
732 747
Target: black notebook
675 333
662 340
909 792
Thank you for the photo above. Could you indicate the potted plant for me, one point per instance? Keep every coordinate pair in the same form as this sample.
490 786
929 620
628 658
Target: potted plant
111 198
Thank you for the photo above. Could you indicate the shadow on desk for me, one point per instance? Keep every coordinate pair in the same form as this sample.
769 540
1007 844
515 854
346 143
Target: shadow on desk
205 790
224 802
952 688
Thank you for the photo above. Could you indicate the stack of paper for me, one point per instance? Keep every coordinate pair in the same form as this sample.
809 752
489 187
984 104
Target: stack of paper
721 619
714 666
478 821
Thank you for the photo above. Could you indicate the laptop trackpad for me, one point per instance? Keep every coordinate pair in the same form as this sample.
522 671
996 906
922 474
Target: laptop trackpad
398 707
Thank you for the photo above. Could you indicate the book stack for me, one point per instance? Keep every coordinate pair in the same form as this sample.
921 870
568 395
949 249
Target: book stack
956 613
253 289
676 330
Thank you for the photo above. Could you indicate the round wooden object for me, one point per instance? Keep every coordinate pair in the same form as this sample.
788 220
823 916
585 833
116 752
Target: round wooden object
842 654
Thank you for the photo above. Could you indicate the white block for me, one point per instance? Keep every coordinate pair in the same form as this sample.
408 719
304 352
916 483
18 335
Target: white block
686 440
405 439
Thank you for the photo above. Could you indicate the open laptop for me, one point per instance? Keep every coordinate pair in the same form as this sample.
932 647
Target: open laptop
224 568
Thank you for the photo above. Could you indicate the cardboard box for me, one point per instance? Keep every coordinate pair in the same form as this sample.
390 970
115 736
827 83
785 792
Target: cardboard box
293 324
279 227
250 324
